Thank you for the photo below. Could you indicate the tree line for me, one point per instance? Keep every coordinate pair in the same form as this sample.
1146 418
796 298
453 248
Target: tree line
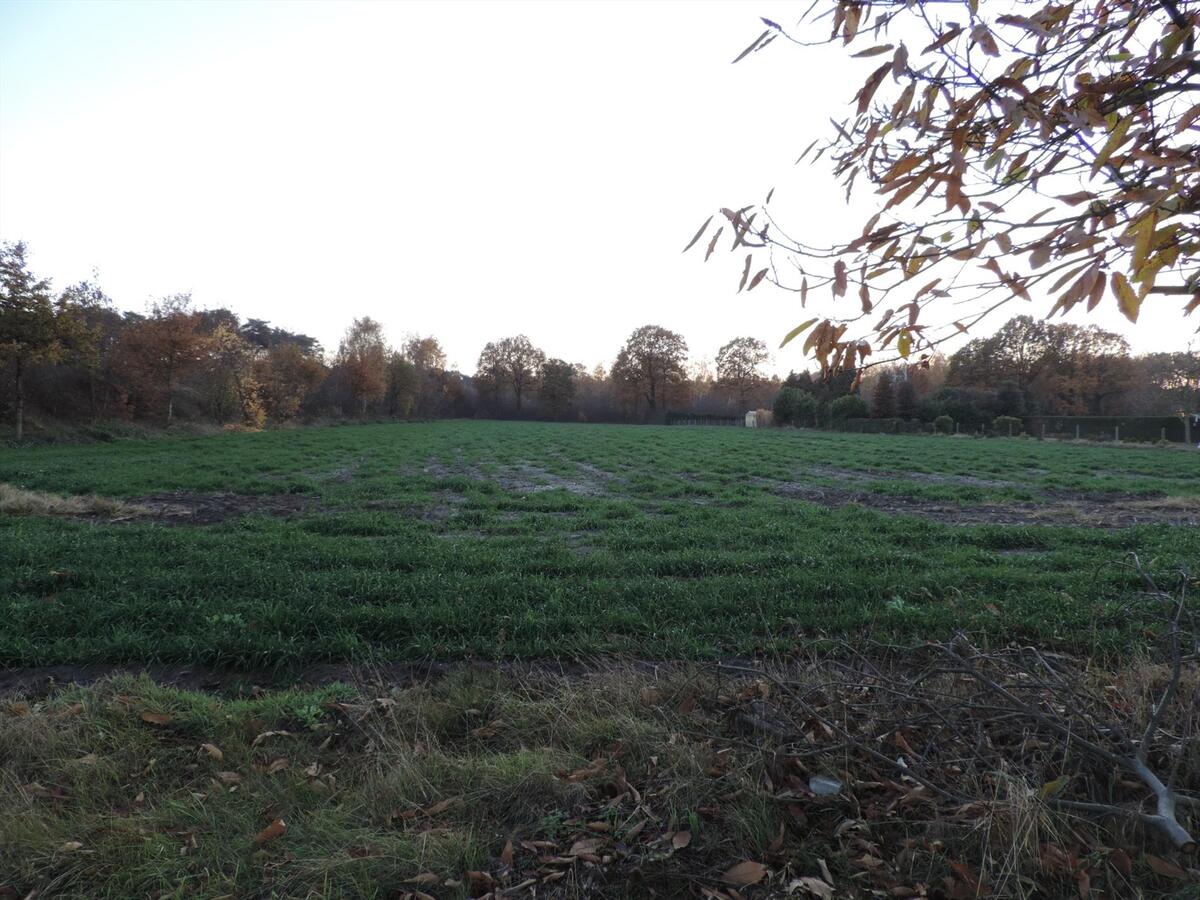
1028 367
72 356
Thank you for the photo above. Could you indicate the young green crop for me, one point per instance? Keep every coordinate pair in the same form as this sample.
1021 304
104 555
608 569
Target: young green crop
505 539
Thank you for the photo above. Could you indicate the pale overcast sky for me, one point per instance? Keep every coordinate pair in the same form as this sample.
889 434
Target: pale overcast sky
470 170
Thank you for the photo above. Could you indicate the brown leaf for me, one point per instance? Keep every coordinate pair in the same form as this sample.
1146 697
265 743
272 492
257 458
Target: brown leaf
814 887
213 751
480 883
1165 867
423 878
70 847
698 234
585 847
745 874
440 807
277 765
229 778
680 839
269 734
271 832
506 855
157 718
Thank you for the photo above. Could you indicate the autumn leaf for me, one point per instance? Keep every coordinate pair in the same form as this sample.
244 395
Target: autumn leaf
814 887
758 277
1165 867
271 832
157 718
798 330
703 228
870 86
1127 298
681 839
840 282
745 874
213 751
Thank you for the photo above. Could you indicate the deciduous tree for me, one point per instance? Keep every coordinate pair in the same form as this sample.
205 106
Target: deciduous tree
158 350
1018 150
652 365
739 366
556 390
362 359
512 362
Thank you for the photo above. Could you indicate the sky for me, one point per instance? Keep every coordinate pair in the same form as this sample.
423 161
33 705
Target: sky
467 170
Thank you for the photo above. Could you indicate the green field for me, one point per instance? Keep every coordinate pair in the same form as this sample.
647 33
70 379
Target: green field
491 539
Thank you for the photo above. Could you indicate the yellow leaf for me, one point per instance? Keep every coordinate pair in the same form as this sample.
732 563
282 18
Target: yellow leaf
1127 298
1053 788
799 329
1115 139
904 343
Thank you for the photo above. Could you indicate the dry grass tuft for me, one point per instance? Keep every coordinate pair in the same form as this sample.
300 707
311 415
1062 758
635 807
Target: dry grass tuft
15 501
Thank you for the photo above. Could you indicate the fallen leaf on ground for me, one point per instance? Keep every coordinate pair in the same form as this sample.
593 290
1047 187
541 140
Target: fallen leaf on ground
1165 867
272 831
277 765
157 718
423 878
70 847
681 839
745 873
213 751
812 886
269 734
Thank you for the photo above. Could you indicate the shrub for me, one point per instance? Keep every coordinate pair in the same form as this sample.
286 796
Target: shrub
944 424
849 407
1007 425
794 407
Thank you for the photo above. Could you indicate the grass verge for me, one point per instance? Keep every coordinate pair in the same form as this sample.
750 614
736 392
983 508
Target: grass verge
625 782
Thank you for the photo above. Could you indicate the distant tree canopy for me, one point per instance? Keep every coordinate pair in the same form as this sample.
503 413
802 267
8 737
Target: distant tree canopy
29 327
79 359
652 366
740 366
511 363
1018 149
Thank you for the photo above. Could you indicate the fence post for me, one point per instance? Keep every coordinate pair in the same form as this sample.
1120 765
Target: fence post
1187 429
1043 435
1076 432
1163 434
1117 433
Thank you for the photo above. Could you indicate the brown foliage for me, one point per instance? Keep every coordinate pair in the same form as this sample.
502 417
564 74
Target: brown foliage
1058 139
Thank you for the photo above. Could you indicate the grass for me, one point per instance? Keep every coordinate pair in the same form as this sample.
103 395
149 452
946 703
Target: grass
459 539
615 784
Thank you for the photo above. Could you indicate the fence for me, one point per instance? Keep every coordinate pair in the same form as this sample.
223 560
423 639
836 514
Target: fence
1110 428
704 419
883 426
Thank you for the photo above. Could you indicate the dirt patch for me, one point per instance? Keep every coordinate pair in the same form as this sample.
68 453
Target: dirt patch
1096 511
525 478
187 508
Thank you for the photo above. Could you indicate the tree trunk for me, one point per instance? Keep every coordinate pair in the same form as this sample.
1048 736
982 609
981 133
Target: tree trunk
20 400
